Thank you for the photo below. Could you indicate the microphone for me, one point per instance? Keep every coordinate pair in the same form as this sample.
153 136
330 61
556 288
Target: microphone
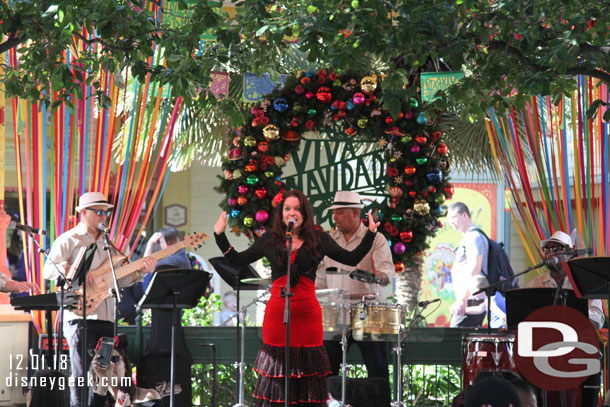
290 225
103 228
555 260
25 228
579 252
423 304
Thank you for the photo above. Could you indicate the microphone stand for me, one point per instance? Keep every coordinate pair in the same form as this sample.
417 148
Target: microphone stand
115 291
287 294
403 331
63 281
491 290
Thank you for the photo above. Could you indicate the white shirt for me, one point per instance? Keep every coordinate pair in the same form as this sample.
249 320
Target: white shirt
64 252
596 311
378 259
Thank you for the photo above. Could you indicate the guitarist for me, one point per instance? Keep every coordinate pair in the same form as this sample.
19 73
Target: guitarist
93 209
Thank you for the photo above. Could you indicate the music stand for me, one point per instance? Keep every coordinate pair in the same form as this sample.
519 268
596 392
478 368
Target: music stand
590 277
521 302
233 275
175 289
78 276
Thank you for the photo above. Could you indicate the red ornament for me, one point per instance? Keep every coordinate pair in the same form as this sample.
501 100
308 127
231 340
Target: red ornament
399 267
436 136
406 236
389 119
421 139
305 80
431 189
251 166
310 124
279 197
323 94
299 89
262 146
242 200
341 113
412 194
442 149
336 117
410 170
350 131
408 115
332 76
291 135
294 122
260 192
394 231
424 194
409 183
392 172
388 227
449 191
309 95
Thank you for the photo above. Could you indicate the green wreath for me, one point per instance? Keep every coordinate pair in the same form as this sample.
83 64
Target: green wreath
416 157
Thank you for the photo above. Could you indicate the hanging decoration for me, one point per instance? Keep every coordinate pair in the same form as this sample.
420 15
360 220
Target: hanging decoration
555 161
345 105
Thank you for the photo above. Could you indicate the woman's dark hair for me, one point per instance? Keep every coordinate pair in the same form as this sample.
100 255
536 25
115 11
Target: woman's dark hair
54 391
307 231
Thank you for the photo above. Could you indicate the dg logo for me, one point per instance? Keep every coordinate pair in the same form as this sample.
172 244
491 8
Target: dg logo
557 348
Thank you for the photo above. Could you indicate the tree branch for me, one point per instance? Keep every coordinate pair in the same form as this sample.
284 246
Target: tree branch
12 41
502 45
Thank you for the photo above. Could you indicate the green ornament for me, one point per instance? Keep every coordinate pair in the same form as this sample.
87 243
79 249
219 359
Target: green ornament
312 112
252 179
297 107
413 102
439 199
396 218
421 161
237 174
269 174
362 123
337 82
248 221
249 141
407 139
393 159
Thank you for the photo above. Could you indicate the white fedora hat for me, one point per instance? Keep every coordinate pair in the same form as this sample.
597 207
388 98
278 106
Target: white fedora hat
558 237
89 199
347 199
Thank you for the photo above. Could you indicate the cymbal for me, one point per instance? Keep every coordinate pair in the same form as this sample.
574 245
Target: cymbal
328 291
335 270
259 281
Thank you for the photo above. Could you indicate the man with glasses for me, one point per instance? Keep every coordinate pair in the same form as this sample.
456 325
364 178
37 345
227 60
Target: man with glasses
556 246
94 210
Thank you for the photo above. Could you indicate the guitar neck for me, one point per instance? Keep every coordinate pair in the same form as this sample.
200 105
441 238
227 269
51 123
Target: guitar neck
137 265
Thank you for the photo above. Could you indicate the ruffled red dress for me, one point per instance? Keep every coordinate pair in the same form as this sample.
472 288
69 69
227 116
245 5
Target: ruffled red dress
309 363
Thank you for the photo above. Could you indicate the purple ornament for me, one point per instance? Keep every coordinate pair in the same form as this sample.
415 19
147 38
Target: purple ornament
262 216
232 201
243 189
399 248
415 149
358 98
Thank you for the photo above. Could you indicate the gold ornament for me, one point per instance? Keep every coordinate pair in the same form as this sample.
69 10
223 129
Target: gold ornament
368 84
250 141
271 132
421 207
362 123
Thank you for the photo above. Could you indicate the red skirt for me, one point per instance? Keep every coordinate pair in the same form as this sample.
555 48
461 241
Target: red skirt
309 363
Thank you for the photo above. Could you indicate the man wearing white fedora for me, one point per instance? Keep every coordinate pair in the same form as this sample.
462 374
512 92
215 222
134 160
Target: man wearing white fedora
94 210
348 233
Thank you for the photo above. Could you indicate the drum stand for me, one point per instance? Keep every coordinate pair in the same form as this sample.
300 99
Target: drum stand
400 337
344 356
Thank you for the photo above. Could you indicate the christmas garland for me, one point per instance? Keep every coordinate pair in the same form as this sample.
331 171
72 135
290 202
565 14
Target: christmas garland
346 105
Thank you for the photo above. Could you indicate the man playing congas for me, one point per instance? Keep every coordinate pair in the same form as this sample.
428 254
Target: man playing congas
349 232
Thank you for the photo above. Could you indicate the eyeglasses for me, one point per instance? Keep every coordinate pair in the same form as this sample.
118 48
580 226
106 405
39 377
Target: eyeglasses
100 212
553 249
115 358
